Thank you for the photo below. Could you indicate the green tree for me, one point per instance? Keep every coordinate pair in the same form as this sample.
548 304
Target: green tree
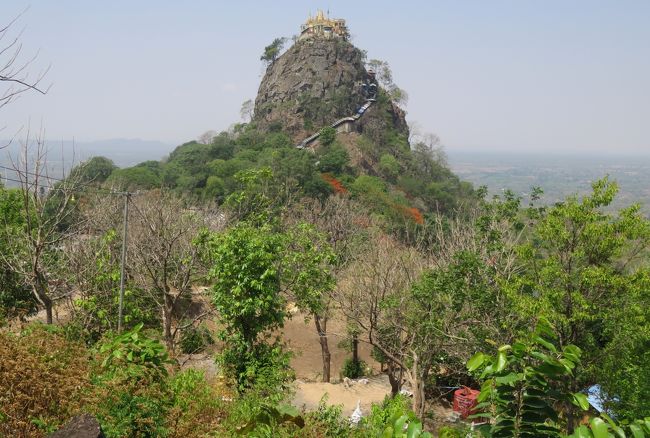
333 159
96 170
580 273
389 166
272 51
246 293
255 270
134 178
327 136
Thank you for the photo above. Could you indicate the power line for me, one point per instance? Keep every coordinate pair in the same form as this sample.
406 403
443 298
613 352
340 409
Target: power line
87 186
28 172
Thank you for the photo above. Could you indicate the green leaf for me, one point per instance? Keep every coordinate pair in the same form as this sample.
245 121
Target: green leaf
580 400
399 424
599 428
501 361
549 346
613 425
508 379
637 431
414 430
581 432
475 361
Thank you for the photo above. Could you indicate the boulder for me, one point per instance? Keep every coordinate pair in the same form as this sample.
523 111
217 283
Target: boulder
81 426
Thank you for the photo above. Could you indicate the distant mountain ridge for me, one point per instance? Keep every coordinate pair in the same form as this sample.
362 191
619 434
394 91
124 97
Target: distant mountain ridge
124 152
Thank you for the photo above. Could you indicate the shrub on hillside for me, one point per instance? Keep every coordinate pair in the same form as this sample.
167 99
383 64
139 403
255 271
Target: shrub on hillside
133 393
353 369
44 380
195 339
196 408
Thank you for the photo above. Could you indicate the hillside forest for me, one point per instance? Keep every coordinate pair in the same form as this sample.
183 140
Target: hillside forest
231 237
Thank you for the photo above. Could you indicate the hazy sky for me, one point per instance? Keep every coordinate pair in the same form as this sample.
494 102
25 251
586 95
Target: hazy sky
554 75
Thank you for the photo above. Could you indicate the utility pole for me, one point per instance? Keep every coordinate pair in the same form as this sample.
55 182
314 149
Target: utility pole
124 234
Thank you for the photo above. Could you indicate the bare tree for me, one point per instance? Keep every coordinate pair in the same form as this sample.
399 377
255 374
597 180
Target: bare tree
438 297
246 111
429 153
163 259
384 76
207 137
48 208
384 271
14 68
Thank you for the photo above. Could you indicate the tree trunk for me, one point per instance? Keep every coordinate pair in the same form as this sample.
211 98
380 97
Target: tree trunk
168 308
570 412
40 292
48 312
321 328
417 386
355 348
394 377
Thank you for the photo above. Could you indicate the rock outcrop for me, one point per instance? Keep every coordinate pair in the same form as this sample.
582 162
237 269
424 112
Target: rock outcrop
81 426
314 83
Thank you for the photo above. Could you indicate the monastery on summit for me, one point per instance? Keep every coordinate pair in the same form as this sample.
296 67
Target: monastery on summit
323 25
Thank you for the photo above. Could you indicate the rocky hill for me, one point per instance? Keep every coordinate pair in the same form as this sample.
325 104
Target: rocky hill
316 82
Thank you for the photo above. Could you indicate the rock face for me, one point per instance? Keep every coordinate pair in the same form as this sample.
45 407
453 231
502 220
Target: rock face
81 426
314 83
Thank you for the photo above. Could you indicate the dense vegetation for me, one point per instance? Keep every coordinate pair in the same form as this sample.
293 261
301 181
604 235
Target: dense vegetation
533 304
398 182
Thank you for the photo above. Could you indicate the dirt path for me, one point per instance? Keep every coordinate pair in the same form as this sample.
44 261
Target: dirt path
309 394
307 361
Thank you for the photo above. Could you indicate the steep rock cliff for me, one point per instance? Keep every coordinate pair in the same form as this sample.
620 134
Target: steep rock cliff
316 82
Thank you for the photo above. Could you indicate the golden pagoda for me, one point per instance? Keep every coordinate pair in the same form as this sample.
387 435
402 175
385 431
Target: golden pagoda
324 26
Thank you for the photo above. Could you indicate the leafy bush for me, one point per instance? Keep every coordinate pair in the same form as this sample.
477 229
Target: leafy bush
526 384
401 426
517 390
196 407
449 432
353 369
270 417
195 339
134 398
389 166
381 414
262 369
333 159
327 136
327 421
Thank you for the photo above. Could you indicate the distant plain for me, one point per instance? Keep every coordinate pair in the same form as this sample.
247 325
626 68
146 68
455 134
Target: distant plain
557 175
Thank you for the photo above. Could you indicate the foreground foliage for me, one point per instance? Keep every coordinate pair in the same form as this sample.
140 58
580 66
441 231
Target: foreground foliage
526 392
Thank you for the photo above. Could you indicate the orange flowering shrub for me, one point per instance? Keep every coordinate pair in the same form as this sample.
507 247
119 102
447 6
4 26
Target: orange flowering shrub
412 213
336 185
